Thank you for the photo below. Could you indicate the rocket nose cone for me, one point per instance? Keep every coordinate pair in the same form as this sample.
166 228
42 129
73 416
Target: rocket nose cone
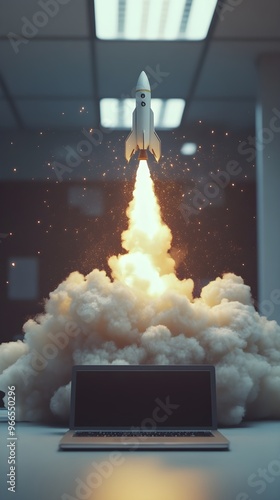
143 82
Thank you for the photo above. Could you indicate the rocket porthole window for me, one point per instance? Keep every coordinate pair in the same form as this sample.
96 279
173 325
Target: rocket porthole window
142 95
143 103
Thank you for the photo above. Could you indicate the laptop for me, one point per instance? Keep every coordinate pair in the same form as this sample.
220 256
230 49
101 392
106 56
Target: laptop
137 407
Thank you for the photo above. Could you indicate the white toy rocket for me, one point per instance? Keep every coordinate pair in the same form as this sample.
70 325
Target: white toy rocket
143 136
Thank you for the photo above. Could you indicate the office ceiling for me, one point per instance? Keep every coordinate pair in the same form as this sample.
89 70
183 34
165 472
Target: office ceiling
55 78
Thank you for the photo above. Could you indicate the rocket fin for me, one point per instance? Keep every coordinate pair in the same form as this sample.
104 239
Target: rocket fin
155 144
131 140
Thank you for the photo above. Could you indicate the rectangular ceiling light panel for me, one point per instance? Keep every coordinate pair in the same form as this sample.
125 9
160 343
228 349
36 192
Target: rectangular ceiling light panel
117 113
153 19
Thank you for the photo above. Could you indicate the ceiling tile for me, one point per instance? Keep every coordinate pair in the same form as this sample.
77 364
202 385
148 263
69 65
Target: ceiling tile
58 114
251 19
170 67
230 114
45 68
53 19
230 69
7 119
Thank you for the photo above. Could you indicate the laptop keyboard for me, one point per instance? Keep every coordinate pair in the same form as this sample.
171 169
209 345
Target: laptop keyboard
142 433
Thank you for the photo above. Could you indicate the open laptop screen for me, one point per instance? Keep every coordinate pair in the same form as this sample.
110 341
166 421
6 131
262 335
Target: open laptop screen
143 397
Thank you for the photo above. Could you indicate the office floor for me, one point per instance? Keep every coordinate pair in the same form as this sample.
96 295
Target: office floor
249 471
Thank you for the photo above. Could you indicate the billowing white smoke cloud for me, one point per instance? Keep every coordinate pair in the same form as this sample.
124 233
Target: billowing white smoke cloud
146 319
91 320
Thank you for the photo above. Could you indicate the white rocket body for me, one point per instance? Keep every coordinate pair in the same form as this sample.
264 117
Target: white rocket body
143 136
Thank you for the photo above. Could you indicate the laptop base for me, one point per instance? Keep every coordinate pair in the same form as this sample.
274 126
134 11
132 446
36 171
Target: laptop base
71 442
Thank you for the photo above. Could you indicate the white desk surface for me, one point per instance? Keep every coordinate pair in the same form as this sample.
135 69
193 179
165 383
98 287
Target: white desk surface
249 471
